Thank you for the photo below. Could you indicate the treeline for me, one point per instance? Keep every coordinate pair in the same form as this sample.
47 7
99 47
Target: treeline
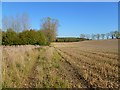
70 39
18 32
18 23
110 35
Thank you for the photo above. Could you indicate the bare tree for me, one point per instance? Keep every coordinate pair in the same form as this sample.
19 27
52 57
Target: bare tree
107 35
103 36
50 27
87 36
112 34
5 23
25 21
82 35
98 36
13 23
93 36
18 23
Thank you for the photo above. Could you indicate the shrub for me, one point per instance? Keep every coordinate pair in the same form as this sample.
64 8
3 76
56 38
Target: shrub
42 39
10 37
27 37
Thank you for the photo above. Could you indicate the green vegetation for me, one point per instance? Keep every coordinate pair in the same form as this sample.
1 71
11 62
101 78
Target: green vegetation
14 35
18 32
0 36
37 67
70 39
61 65
27 37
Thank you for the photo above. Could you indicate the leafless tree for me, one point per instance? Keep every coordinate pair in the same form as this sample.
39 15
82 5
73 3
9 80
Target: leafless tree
103 36
16 23
112 34
107 35
25 21
5 23
93 36
87 36
98 36
82 35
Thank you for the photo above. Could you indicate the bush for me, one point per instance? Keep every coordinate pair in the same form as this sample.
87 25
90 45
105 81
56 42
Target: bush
9 37
27 37
42 39
23 38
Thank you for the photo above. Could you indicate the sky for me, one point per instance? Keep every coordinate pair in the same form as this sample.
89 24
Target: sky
59 0
74 18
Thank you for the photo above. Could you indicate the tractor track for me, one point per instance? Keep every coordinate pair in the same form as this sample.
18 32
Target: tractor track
74 70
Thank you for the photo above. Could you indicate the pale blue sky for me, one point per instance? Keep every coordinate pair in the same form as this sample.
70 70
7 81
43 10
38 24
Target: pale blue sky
74 18
60 0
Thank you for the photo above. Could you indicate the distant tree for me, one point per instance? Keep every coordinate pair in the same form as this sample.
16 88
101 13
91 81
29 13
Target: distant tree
112 34
16 31
5 23
93 36
103 36
18 24
116 34
14 24
25 21
98 36
107 35
87 36
49 28
70 39
0 36
82 35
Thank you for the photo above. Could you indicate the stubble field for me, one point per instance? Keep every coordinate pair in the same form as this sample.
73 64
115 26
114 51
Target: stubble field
83 64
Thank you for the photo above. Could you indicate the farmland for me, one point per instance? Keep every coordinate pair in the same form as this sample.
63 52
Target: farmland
83 64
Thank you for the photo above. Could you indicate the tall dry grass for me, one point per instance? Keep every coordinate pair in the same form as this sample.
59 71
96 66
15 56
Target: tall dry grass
0 67
61 65
16 64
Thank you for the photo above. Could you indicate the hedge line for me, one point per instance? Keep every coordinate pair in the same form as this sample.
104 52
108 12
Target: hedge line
70 39
27 37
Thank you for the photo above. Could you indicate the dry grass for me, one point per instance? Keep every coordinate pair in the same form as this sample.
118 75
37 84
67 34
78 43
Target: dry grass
97 61
79 64
17 63
0 67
